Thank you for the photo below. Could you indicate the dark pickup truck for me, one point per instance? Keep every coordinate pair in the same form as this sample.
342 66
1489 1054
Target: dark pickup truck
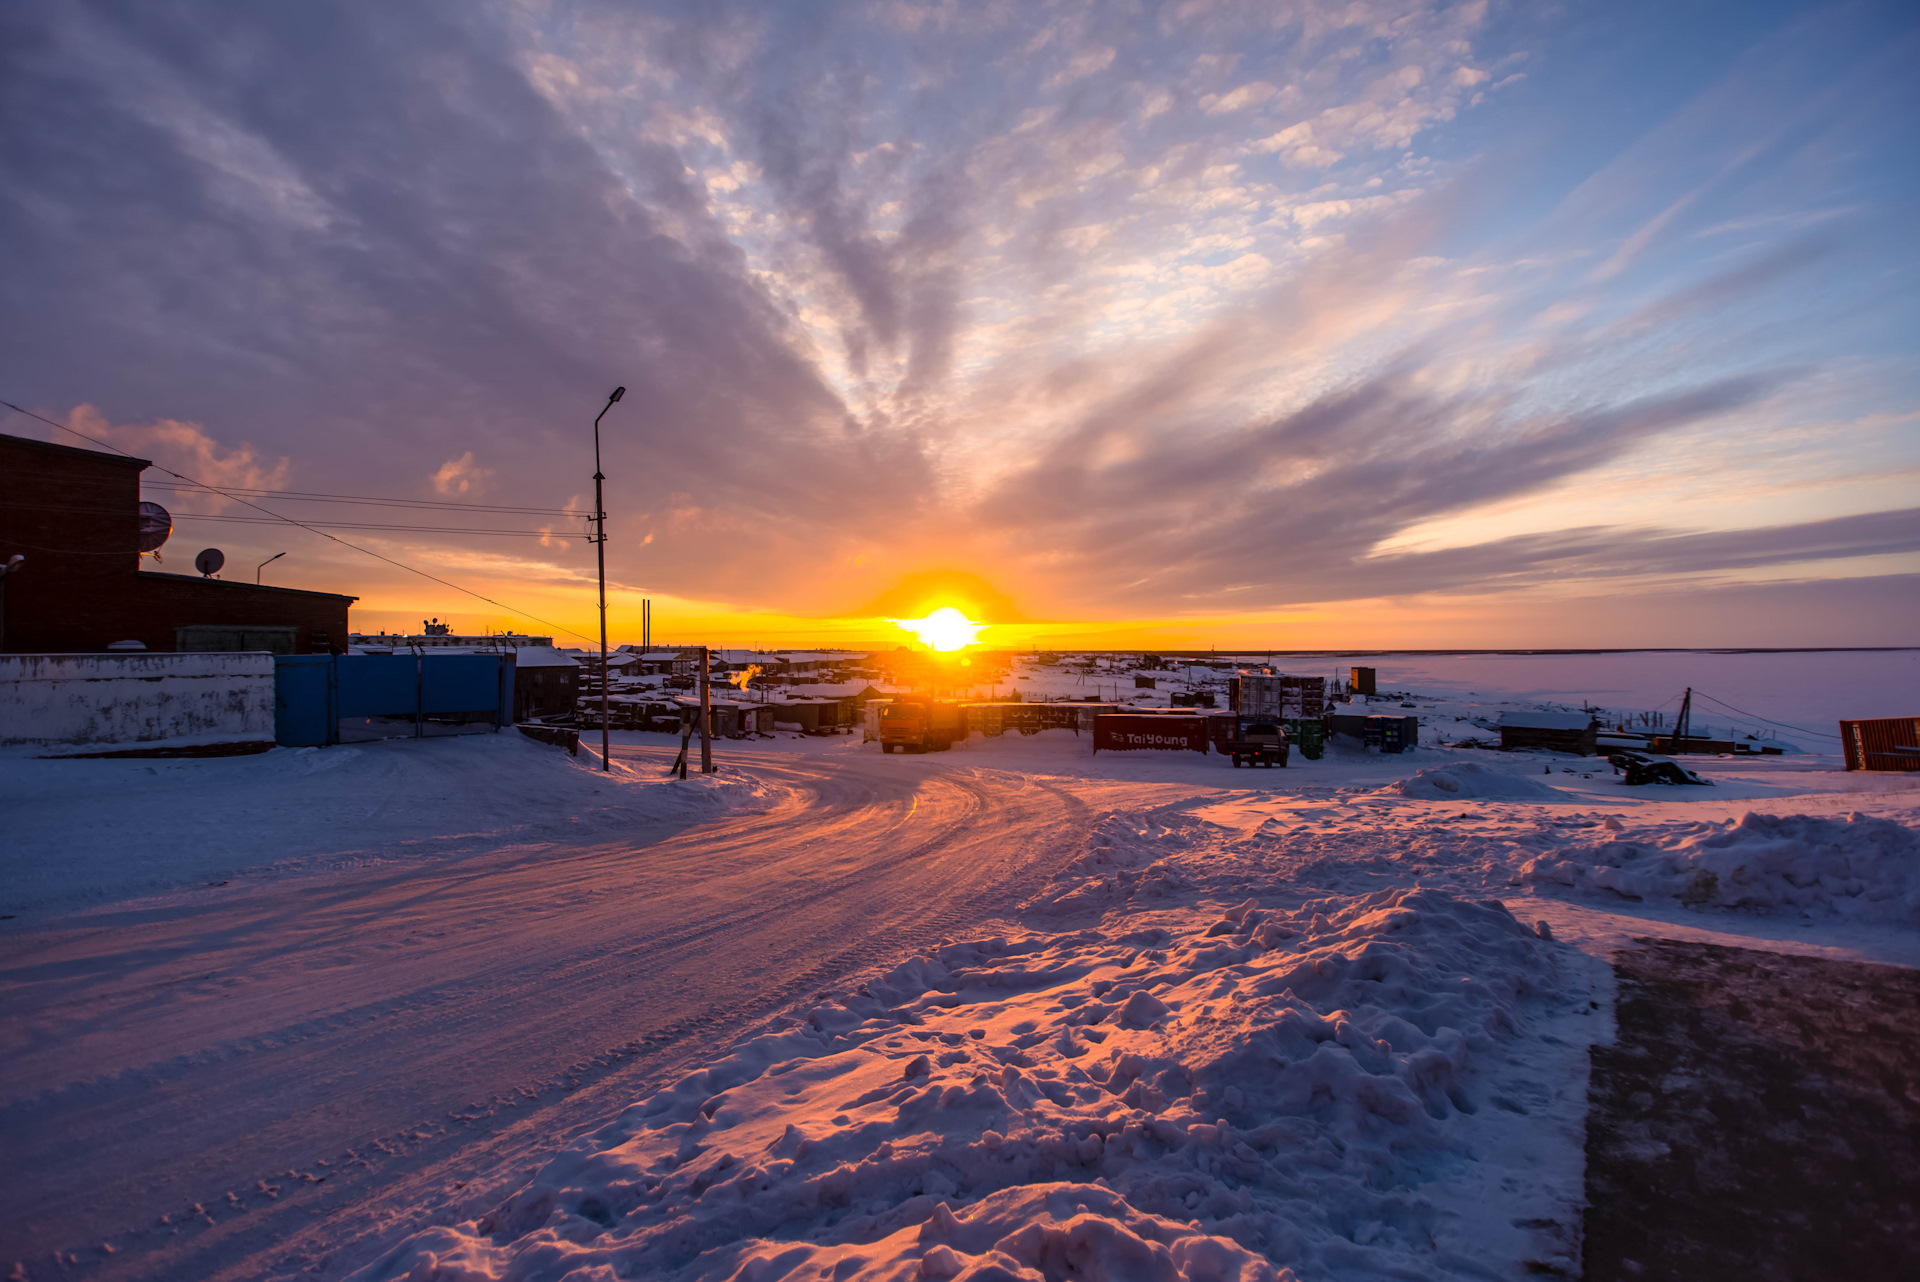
1261 743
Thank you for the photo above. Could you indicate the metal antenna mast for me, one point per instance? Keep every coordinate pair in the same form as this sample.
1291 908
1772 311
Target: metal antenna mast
600 538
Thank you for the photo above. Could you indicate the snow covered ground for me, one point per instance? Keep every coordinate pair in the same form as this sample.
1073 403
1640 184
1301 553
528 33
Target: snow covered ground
98 831
1161 1018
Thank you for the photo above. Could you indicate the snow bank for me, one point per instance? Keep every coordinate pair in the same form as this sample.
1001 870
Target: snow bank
1860 867
1230 1096
90 831
1461 780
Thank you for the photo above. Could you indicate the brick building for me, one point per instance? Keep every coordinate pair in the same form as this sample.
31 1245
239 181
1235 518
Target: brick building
73 515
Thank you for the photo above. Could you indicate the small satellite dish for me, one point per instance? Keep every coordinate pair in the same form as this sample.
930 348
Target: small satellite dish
156 523
210 561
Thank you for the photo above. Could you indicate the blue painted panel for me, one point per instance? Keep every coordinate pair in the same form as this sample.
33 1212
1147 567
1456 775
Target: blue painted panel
460 683
303 700
378 685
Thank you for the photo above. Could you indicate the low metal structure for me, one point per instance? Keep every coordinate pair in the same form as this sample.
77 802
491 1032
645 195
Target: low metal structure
324 699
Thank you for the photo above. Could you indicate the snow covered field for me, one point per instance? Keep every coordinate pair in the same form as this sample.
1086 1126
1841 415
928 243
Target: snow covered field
1134 1015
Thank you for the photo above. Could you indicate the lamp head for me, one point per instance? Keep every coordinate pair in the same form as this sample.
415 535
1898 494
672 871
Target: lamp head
618 392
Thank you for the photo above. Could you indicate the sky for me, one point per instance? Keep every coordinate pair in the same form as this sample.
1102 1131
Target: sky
1276 325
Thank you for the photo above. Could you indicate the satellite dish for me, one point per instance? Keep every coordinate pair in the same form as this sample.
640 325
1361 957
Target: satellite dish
156 523
210 561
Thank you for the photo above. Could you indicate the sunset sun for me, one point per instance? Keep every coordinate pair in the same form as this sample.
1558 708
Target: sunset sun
946 629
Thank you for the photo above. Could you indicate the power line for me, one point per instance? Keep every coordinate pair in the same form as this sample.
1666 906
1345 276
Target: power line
331 525
367 525
359 500
1757 717
311 496
301 524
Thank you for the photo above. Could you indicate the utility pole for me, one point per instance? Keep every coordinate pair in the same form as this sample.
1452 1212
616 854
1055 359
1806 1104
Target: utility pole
1683 725
600 539
706 714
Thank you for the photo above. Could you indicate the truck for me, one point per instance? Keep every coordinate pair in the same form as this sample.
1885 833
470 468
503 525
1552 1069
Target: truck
920 725
1261 743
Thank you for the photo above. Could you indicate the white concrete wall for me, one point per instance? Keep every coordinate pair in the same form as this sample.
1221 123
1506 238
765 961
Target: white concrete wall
60 703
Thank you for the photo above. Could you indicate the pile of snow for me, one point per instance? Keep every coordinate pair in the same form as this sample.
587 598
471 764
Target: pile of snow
1860 867
1463 780
1354 1087
91 831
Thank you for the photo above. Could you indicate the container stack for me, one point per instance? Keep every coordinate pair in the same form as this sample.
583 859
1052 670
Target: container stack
1298 703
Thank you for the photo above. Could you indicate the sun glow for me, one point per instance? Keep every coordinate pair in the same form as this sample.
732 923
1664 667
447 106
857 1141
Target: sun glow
946 629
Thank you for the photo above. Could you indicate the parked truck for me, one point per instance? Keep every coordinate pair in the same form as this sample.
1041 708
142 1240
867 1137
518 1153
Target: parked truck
920 725
1261 743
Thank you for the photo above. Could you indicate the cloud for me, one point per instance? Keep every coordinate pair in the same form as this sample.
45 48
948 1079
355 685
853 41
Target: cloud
1114 309
186 449
460 476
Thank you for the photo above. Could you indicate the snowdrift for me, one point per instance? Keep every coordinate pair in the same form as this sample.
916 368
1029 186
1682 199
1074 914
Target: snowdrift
1230 1097
92 831
1464 780
1860 867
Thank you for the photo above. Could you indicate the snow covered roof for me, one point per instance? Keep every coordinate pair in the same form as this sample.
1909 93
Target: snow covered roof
542 656
828 689
1546 720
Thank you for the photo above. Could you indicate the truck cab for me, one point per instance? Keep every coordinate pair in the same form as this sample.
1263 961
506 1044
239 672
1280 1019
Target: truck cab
1261 743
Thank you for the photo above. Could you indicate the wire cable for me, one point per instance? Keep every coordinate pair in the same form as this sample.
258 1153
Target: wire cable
331 525
1757 717
373 525
303 525
304 496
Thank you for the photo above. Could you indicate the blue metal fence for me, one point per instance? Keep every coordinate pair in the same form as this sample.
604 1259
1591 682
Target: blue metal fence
324 699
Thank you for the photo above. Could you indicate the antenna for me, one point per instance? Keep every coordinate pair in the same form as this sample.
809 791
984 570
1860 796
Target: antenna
209 562
156 524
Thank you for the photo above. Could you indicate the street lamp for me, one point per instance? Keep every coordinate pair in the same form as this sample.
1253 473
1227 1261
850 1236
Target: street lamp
600 538
263 565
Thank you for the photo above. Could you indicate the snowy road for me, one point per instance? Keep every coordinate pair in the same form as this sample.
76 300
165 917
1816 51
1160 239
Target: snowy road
211 1083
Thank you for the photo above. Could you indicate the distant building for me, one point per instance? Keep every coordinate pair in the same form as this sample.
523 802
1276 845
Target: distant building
74 516
1574 732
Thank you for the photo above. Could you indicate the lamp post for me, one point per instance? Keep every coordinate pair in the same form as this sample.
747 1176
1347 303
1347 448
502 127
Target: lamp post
263 565
600 538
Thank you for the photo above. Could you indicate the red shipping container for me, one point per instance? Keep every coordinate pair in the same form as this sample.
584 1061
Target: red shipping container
1885 743
1124 732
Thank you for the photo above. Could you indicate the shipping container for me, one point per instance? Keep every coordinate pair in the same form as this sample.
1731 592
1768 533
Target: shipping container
1362 681
1278 696
1370 729
1884 743
1165 732
1310 735
1392 734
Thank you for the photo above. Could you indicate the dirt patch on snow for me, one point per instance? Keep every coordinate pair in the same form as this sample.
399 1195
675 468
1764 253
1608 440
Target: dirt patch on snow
1758 1117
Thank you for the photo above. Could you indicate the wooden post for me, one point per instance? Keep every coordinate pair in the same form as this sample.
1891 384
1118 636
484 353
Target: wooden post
706 713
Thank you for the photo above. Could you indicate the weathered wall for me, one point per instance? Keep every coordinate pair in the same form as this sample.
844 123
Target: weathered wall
99 702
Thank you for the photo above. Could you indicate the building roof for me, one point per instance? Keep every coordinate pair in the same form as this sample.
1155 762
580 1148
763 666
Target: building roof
229 585
542 656
125 460
1545 720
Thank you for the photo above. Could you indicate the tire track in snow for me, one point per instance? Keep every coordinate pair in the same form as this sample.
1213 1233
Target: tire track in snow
932 851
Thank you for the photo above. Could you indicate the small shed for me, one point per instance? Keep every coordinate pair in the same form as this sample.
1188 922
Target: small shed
546 683
1574 732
